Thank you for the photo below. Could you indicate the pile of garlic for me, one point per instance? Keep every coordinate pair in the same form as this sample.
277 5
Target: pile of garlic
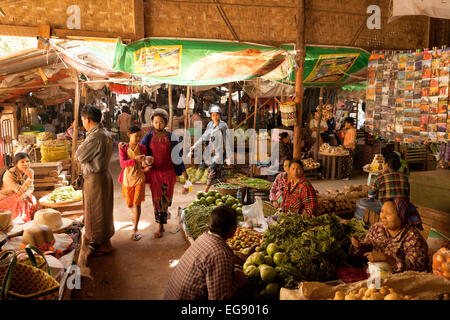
384 293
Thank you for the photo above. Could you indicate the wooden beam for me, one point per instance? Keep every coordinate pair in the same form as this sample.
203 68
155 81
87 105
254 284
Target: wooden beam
226 20
64 33
76 114
300 59
18 31
139 20
44 31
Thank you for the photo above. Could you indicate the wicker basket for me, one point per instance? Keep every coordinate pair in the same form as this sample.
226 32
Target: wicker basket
231 192
27 282
288 114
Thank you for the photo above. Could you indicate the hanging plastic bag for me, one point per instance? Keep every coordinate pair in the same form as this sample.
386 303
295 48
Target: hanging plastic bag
254 215
187 187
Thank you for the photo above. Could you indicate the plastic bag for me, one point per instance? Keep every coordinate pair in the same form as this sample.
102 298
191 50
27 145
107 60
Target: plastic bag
187 187
254 215
53 154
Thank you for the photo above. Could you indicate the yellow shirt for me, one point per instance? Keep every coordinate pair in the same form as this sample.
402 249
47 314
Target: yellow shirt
133 176
350 138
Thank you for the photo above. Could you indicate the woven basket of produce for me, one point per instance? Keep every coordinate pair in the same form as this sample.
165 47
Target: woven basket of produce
228 189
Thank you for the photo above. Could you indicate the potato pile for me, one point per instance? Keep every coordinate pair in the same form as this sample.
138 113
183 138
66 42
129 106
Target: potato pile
309 164
333 201
384 293
325 148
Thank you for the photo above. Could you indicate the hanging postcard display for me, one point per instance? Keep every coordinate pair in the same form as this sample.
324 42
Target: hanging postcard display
407 96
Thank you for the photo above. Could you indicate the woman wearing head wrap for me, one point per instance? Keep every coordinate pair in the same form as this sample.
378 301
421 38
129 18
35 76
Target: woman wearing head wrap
395 239
163 174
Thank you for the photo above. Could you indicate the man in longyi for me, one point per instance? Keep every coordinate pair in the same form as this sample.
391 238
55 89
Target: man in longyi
94 154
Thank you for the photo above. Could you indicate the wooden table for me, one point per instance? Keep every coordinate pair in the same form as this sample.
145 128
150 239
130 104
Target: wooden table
371 173
331 165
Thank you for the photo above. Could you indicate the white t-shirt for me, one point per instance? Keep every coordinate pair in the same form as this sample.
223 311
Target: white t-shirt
313 126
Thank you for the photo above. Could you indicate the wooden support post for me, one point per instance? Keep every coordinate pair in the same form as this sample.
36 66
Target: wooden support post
170 108
44 32
76 114
239 110
254 142
300 59
318 125
188 98
230 102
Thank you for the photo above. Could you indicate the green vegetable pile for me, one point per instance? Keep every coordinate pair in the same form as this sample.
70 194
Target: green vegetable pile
195 175
255 183
227 186
63 194
356 227
196 220
197 213
313 246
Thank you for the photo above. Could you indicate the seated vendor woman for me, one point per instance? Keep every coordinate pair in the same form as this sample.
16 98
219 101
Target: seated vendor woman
299 195
16 187
279 185
395 239
391 183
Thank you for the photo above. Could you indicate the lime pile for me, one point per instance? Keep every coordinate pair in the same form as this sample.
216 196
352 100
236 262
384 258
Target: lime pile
215 199
262 267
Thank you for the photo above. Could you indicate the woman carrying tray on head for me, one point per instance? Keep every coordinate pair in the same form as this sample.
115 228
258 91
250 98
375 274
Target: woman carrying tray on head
16 188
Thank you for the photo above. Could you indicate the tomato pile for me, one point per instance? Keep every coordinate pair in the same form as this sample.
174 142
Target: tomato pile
244 238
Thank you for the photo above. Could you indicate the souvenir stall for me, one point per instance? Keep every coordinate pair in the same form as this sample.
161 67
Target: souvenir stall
407 102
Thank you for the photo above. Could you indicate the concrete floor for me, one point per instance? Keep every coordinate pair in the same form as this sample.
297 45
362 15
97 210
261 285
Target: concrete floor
140 270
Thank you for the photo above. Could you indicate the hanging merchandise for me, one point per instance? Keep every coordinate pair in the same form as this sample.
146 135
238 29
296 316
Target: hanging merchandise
288 114
182 102
407 96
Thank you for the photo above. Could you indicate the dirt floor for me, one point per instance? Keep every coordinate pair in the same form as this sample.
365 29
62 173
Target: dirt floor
140 270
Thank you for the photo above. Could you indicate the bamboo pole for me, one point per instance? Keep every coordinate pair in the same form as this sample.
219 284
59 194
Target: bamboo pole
239 105
62 84
300 58
170 108
319 124
188 98
229 105
76 113
255 144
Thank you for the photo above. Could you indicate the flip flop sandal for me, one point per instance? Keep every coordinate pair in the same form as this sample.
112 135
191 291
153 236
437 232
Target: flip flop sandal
99 253
158 235
136 236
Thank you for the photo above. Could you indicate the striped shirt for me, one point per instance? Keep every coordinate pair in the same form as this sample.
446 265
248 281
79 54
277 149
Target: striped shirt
278 186
391 185
205 271
300 198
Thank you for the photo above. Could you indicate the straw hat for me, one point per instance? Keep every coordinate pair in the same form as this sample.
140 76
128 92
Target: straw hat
51 218
7 226
62 242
